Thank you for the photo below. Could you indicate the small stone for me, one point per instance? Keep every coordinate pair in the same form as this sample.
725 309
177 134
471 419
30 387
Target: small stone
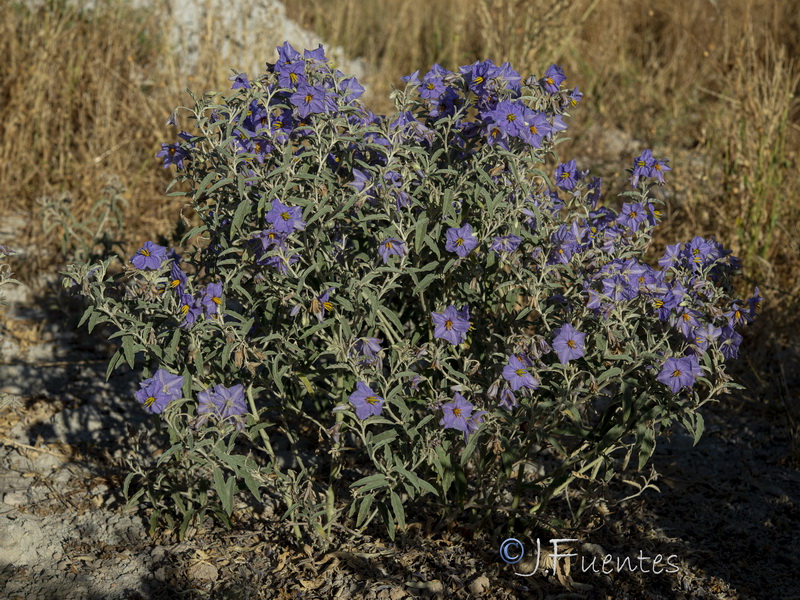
202 571
479 586
397 593
158 552
14 498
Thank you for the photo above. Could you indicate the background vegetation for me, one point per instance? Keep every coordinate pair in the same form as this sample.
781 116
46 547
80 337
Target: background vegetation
712 84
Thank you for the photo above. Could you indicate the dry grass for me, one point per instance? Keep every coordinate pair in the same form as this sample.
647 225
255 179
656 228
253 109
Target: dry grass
714 78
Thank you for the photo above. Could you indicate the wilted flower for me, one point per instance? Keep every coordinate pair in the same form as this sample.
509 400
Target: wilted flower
240 81
505 243
508 400
224 403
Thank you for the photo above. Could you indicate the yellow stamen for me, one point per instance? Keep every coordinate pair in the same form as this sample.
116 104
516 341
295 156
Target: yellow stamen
149 402
457 412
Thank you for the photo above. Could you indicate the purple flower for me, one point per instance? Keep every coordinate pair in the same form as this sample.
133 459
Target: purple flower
633 214
287 53
573 98
508 116
452 325
704 336
505 243
670 256
461 240
366 402
496 135
392 246
285 219
553 78
173 154
659 168
190 310
224 403
568 343
457 415
432 86
517 374
645 165
212 299
368 347
679 372
270 238
308 99
158 391
177 278
478 74
350 89
291 74
537 127
642 166
149 256
322 305
240 81
567 175
152 397
687 321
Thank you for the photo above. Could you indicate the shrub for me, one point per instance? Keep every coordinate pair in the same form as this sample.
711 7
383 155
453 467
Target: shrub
374 309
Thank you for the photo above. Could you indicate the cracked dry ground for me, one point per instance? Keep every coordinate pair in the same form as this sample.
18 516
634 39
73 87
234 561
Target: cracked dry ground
727 512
